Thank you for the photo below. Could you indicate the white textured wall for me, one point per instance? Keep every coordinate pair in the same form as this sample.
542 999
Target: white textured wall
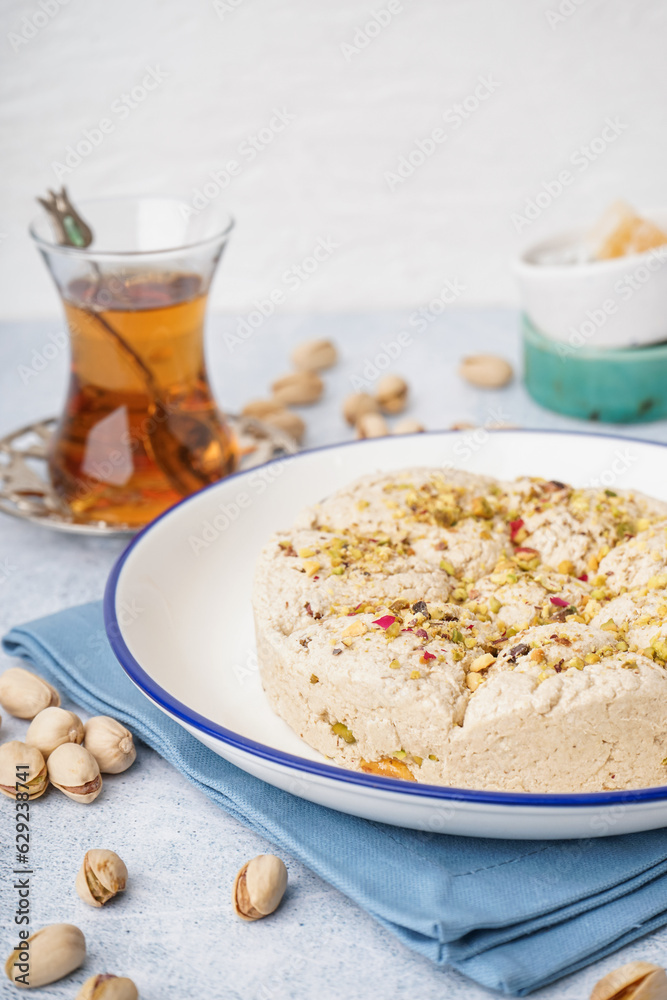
355 113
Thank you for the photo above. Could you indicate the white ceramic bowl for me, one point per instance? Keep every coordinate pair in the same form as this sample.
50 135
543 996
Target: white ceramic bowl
611 303
188 641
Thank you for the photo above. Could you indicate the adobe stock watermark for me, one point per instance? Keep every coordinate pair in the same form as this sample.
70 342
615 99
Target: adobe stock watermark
581 159
41 357
419 320
379 20
224 7
228 512
625 289
247 151
456 116
564 11
292 279
120 110
36 21
621 463
470 442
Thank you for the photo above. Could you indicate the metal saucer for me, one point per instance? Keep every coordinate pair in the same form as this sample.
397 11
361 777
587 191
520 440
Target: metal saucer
26 491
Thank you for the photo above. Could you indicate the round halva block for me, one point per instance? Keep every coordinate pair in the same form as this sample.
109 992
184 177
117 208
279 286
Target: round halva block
441 627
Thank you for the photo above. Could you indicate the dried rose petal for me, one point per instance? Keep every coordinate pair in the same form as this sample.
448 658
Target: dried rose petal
584 577
515 527
559 602
530 552
422 633
385 622
429 656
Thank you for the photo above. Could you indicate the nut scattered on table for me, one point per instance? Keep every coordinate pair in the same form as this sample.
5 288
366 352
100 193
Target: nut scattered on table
101 876
487 371
47 955
75 772
261 408
108 987
23 764
24 694
110 743
634 981
297 389
53 726
408 426
392 393
357 405
372 425
285 420
314 355
259 887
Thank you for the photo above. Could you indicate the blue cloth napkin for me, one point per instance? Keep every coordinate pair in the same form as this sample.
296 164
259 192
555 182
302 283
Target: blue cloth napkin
512 915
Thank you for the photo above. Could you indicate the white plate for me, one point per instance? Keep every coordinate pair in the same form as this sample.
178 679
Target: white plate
178 616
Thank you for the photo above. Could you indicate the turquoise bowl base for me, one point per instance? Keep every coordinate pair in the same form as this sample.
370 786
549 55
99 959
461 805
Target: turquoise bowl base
612 386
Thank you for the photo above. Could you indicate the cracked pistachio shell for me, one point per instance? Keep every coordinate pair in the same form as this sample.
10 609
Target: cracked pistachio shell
357 405
53 726
259 887
101 876
74 771
51 953
24 694
11 755
108 987
392 393
634 981
372 425
298 388
314 355
110 743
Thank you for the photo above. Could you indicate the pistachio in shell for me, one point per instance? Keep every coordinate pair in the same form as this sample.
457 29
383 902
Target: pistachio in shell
24 694
23 764
108 987
75 772
634 981
259 887
53 726
101 876
110 743
46 956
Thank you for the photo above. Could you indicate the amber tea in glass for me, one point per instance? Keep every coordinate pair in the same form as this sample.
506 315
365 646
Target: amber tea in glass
140 428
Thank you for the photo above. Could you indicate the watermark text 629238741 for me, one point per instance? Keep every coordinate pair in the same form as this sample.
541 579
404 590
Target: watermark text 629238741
22 872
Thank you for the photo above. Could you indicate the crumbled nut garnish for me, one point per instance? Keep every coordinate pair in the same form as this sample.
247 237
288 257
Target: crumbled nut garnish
343 732
394 664
415 675
336 652
419 607
473 681
482 662
314 679
519 650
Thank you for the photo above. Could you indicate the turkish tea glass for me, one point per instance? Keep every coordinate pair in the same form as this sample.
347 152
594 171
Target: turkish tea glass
140 428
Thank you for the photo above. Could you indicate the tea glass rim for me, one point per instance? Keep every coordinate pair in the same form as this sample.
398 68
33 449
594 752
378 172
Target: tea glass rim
53 247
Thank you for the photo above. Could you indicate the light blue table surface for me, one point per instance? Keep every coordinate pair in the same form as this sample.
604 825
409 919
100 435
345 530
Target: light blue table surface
175 933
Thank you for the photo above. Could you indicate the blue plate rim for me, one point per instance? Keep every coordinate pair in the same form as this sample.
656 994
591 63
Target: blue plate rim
173 706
